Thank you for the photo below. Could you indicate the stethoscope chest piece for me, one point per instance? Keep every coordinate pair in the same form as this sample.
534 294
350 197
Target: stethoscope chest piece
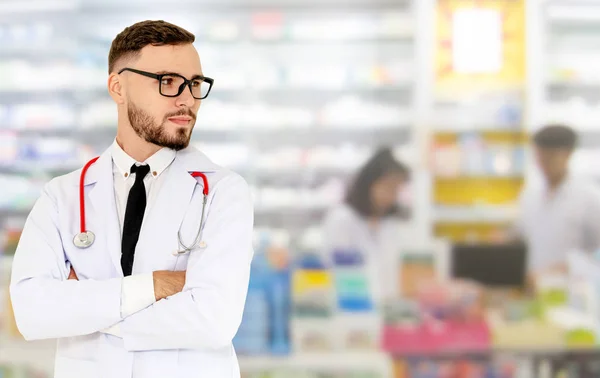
183 251
84 239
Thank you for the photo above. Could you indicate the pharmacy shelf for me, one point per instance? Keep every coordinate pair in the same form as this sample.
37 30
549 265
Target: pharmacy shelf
572 12
38 167
480 176
43 95
475 126
39 52
39 8
40 356
380 63
268 212
98 6
292 173
403 38
354 362
475 214
18 94
263 137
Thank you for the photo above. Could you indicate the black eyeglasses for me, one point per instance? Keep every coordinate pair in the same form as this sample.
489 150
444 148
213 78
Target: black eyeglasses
172 84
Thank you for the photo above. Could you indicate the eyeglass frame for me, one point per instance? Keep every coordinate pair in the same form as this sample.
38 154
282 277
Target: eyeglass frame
186 82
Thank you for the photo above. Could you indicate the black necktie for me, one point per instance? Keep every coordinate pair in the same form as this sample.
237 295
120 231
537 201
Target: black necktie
134 214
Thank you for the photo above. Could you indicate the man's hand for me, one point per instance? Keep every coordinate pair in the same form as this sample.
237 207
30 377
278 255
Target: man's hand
167 283
73 275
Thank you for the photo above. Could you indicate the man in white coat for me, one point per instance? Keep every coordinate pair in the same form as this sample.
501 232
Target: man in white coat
560 213
129 305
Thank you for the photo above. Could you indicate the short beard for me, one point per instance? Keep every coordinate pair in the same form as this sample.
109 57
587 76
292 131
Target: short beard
144 126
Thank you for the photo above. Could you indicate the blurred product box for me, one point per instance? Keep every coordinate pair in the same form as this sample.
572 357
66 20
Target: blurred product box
352 286
427 368
358 331
416 269
436 337
312 293
313 335
527 334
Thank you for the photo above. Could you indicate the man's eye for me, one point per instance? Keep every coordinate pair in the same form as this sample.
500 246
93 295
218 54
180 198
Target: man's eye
167 81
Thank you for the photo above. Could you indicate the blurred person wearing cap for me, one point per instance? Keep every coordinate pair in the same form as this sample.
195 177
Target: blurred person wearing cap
370 219
561 213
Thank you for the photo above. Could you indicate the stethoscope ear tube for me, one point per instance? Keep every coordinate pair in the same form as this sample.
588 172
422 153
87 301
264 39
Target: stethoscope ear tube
84 238
197 241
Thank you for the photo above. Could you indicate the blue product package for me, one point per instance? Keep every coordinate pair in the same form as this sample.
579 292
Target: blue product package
355 304
279 311
345 258
253 334
310 262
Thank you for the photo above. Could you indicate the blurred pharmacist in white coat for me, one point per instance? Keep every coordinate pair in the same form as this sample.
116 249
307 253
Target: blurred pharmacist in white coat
370 220
560 213
136 287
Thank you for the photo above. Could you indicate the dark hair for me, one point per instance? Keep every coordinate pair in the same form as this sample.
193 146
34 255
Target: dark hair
556 136
129 42
381 164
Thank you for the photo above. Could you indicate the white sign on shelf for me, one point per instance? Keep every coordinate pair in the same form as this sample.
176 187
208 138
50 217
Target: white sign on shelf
477 41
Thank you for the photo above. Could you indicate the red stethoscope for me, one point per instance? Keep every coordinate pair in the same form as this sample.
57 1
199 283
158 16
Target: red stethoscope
85 238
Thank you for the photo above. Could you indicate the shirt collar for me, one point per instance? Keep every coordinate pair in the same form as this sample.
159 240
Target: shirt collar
157 162
161 160
562 188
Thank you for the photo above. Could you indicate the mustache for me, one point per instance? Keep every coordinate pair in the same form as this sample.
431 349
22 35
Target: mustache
183 112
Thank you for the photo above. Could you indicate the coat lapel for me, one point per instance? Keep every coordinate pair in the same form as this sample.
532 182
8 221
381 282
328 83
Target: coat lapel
103 207
161 223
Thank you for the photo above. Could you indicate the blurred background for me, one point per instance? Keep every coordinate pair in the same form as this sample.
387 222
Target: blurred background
306 94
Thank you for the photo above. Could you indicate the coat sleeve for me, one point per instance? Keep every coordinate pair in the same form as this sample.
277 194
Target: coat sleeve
46 304
208 312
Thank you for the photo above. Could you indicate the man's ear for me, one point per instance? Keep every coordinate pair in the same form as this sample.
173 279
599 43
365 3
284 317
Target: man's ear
115 88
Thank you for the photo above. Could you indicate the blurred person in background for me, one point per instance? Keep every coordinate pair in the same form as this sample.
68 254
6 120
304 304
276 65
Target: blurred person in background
173 310
370 220
561 213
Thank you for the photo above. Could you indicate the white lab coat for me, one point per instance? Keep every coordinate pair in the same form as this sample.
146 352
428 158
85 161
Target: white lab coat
186 335
554 223
344 228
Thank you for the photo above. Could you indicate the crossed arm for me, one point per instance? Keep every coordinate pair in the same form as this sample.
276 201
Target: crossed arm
205 313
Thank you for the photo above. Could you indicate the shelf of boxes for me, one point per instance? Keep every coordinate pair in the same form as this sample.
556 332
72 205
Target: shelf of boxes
477 177
376 364
266 112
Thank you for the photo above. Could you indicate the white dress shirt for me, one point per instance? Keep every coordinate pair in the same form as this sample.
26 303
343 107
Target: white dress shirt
556 222
137 291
